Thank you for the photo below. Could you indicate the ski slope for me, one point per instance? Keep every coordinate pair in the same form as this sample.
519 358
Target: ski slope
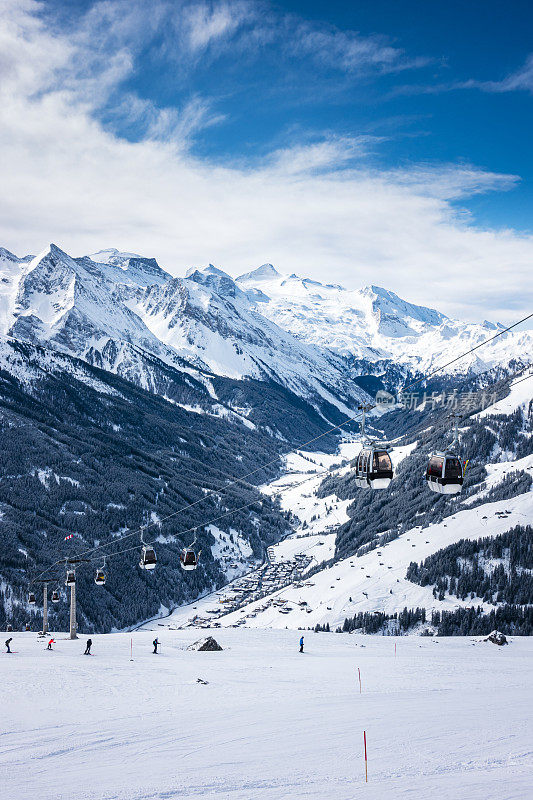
444 719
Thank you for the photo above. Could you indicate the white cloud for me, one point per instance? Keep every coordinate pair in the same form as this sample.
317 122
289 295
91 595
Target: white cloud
346 50
67 179
207 24
521 80
331 153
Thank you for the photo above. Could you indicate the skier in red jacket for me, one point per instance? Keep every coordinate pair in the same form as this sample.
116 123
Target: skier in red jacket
50 643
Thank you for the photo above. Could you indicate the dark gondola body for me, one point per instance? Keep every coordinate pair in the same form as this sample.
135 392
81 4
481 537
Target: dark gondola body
188 559
148 557
444 473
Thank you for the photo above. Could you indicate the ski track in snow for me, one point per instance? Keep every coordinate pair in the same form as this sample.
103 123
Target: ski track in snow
444 718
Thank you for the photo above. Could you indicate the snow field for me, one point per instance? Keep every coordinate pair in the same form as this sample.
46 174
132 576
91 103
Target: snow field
444 719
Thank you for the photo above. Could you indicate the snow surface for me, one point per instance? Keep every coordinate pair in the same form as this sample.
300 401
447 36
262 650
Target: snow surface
520 396
444 718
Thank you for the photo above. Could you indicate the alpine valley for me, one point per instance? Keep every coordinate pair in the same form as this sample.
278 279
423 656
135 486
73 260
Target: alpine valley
128 396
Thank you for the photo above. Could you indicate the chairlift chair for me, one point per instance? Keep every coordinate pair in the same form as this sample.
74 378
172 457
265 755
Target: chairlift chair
55 596
31 599
70 580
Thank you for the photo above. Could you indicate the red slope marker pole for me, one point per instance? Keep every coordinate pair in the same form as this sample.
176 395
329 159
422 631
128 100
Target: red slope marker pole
366 761
359 671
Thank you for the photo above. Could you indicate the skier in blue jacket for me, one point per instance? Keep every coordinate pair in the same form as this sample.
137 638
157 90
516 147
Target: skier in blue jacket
301 644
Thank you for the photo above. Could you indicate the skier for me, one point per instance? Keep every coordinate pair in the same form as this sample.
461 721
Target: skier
50 643
88 647
155 643
301 644
8 642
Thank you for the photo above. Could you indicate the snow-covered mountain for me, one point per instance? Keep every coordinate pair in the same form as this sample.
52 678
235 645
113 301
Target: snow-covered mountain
113 308
375 324
120 311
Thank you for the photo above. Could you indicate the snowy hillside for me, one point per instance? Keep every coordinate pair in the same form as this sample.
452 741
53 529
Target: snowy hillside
444 719
89 456
375 324
226 390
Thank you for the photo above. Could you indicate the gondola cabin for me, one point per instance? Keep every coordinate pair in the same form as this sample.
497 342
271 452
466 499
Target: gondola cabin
148 557
31 599
55 597
188 559
373 468
99 578
444 473
70 580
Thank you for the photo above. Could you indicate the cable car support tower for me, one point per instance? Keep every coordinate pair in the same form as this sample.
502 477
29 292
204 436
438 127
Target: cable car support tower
45 581
73 562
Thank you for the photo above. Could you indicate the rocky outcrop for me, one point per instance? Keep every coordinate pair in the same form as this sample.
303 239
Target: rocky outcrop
207 644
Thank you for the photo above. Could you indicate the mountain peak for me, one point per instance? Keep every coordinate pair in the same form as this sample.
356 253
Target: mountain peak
389 303
113 256
209 270
215 279
7 255
53 251
264 272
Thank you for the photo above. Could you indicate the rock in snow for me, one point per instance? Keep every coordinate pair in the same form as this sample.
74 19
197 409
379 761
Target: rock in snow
496 638
208 644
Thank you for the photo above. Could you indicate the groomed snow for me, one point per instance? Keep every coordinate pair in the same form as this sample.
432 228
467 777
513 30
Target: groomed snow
445 719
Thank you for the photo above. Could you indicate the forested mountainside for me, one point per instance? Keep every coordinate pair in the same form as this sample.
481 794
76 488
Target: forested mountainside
378 517
88 453
512 620
497 569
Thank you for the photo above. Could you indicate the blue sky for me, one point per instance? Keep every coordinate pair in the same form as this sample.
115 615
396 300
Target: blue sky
418 104
214 131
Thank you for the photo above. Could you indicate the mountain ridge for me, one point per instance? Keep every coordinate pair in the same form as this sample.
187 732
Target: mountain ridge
313 338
